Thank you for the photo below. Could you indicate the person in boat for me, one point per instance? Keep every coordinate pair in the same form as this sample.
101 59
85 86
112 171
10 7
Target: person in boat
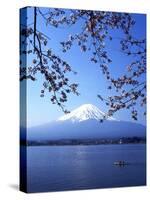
120 162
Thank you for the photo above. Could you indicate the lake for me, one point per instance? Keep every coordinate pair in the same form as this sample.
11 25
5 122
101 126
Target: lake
54 168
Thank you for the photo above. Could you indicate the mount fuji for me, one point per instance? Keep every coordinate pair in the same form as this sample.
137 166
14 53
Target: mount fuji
84 123
84 112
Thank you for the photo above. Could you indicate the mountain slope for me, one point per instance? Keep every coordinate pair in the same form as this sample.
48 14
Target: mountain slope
84 123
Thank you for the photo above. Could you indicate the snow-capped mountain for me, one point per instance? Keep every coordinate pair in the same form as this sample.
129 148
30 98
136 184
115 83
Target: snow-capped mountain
85 112
84 123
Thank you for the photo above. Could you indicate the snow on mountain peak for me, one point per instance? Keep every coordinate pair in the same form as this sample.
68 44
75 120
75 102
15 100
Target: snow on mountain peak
84 112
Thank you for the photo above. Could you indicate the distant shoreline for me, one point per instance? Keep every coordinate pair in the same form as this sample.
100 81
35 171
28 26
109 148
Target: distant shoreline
84 142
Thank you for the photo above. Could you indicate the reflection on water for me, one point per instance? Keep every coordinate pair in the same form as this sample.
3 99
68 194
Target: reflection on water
53 168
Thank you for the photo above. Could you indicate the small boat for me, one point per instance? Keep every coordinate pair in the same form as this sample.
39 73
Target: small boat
120 163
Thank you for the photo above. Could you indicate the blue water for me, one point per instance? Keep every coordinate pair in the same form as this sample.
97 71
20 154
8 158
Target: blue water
53 168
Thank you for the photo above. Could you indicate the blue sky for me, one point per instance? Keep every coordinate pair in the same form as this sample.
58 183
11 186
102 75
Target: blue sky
90 79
